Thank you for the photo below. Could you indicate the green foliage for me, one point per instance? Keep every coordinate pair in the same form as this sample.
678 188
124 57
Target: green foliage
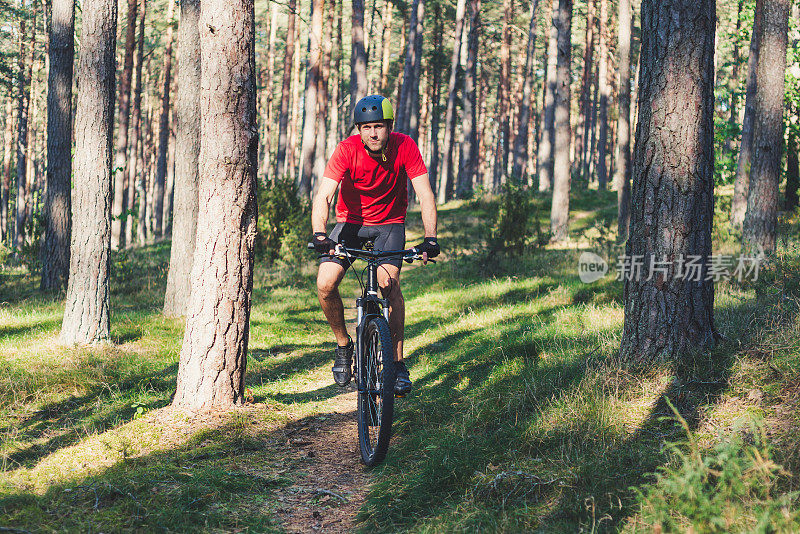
734 487
284 224
516 219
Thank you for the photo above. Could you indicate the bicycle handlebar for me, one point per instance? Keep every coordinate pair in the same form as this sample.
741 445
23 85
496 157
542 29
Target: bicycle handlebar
408 255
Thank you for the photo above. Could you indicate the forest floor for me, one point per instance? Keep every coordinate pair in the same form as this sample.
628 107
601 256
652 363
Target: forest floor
521 418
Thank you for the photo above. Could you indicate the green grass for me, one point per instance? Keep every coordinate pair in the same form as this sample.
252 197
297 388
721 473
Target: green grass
521 419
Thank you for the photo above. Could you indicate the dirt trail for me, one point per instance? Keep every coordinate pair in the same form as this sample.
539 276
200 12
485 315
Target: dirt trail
328 492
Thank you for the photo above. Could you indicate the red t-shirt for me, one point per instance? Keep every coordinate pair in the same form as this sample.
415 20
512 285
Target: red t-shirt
372 191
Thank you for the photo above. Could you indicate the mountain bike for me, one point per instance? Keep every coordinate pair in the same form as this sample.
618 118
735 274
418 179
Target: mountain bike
374 352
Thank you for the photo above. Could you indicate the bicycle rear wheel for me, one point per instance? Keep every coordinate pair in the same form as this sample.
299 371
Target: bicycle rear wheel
375 391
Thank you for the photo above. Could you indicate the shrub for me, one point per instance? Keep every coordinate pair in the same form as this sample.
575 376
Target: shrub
284 223
513 224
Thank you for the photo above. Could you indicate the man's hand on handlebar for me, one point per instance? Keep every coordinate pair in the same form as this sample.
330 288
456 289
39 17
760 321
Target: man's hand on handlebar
323 244
429 248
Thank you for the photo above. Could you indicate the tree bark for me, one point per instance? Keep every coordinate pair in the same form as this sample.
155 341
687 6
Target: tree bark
445 186
602 83
323 97
761 220
120 160
434 76
741 183
667 316
135 167
407 119
358 58
468 166
267 123
309 141
187 153
733 81
214 353
163 126
291 161
386 41
23 106
622 174
57 204
559 214
503 100
792 172
8 145
335 82
523 122
585 97
87 318
286 92
544 158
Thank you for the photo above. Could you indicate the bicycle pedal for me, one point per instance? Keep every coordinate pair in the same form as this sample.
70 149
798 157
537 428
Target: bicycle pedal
399 395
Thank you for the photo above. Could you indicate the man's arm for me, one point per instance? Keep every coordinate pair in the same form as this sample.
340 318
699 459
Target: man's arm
322 204
427 203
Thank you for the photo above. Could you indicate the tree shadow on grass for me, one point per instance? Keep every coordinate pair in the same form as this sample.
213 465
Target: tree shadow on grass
23 330
65 422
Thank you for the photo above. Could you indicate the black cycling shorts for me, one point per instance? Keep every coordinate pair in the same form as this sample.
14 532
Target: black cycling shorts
354 235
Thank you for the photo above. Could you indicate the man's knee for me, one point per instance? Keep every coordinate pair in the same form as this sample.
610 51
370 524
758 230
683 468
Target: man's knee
327 284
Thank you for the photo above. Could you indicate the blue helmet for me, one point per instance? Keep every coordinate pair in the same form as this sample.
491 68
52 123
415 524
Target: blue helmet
373 108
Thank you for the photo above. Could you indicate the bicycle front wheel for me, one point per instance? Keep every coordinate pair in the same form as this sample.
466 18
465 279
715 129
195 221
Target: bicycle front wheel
375 391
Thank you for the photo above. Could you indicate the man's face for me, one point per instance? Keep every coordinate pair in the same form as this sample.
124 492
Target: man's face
374 135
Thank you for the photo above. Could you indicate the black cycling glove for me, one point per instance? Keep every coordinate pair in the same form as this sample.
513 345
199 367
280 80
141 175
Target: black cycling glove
429 245
322 243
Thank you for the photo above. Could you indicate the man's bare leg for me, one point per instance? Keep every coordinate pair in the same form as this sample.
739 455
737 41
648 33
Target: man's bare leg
328 279
389 282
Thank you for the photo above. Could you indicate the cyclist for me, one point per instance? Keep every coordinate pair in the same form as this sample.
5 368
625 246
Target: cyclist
371 170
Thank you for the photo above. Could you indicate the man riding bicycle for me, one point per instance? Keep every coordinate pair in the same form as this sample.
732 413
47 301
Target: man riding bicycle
371 170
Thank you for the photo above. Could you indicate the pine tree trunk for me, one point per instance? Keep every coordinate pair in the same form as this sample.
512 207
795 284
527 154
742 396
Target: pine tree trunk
434 75
323 97
792 172
585 98
187 152
57 204
668 316
559 214
733 81
445 188
163 126
544 158
386 42
741 184
468 165
23 106
214 354
335 83
120 159
135 167
761 220
291 161
358 58
310 97
521 154
86 314
622 175
266 121
602 82
503 99
286 92
8 145
409 93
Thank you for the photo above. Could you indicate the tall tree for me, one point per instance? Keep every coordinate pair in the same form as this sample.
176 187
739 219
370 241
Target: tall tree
559 213
667 315
524 118
445 188
602 84
8 144
358 58
163 124
214 354
187 153
286 91
23 106
761 220
544 156
468 166
57 204
585 97
134 166
386 43
323 93
733 80
741 183
503 99
309 141
266 96
408 105
622 174
86 314
118 221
